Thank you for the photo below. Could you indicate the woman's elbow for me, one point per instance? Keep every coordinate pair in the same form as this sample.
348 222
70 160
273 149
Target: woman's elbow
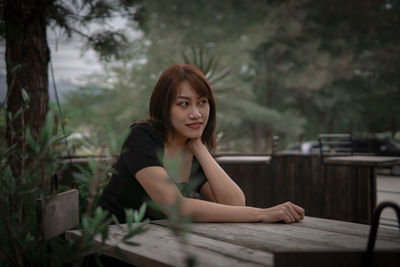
239 200
242 200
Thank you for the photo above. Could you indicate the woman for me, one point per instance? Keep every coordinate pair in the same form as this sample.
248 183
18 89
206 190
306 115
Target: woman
180 128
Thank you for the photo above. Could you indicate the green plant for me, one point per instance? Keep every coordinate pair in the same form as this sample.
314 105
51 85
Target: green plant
176 222
22 243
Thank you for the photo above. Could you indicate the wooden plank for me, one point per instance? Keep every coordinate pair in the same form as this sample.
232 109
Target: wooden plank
255 244
348 228
252 179
286 237
269 241
347 194
243 159
329 240
334 259
299 178
58 214
159 247
373 161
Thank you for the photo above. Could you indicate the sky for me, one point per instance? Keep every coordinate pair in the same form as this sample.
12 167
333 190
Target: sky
71 64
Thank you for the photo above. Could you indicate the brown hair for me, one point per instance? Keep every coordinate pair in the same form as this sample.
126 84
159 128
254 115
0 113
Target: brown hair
164 94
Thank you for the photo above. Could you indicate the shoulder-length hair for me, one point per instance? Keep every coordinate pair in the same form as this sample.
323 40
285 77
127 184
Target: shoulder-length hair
164 94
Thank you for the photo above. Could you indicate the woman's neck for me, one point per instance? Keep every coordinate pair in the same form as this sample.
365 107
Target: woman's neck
175 146
178 157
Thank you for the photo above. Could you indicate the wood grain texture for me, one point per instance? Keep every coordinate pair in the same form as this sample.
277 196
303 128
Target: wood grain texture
372 161
299 178
58 214
312 242
159 247
301 236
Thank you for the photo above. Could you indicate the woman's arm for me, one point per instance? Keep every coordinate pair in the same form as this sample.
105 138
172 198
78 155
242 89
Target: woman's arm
224 190
162 191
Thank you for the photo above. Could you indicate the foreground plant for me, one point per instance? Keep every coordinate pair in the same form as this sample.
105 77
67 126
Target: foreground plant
22 242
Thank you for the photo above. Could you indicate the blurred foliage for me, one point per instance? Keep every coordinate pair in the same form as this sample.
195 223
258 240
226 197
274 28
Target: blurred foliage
21 239
288 68
329 61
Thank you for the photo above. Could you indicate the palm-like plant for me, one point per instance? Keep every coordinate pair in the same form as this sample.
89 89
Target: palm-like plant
236 106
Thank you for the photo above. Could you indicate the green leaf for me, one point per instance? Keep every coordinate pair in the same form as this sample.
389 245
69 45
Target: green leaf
115 219
142 211
129 214
9 150
25 96
138 230
85 223
16 114
30 141
47 130
136 216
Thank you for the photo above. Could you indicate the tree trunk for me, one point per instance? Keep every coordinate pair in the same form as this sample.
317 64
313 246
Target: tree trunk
27 58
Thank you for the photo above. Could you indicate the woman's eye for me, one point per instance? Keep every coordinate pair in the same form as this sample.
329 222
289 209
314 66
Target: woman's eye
183 103
204 101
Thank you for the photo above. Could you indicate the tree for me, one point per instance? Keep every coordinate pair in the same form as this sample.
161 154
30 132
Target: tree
23 26
173 28
27 57
330 61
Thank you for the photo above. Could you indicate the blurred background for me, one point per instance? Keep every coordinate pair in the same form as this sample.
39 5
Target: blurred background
294 69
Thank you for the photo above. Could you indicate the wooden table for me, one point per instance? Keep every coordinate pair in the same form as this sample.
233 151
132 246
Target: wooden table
311 242
371 162
243 159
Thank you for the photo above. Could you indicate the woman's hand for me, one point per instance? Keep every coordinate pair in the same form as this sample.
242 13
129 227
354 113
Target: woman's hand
194 145
286 212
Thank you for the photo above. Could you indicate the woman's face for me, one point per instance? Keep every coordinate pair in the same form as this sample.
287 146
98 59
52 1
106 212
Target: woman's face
189 112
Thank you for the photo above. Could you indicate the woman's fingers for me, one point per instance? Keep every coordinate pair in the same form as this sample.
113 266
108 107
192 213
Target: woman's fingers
289 212
286 219
285 215
298 209
292 212
286 212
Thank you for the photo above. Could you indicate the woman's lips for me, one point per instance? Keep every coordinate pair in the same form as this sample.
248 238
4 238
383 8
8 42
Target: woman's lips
195 125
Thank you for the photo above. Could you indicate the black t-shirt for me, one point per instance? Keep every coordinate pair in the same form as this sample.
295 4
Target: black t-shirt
142 148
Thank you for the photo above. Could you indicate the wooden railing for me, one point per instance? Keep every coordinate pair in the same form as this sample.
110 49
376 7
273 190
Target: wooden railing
298 178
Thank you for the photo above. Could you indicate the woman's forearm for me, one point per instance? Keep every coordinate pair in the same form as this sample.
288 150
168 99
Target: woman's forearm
224 189
205 211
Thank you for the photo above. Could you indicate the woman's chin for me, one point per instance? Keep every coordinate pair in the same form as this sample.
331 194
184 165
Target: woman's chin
194 135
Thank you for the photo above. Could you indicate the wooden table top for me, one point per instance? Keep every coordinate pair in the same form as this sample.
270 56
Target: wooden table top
311 242
243 159
373 161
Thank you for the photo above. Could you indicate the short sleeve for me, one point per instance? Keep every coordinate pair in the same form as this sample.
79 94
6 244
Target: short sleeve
142 148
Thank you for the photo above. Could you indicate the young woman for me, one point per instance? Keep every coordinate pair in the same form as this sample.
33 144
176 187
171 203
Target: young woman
180 128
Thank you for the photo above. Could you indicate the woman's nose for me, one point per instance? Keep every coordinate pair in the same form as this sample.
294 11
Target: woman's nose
194 113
